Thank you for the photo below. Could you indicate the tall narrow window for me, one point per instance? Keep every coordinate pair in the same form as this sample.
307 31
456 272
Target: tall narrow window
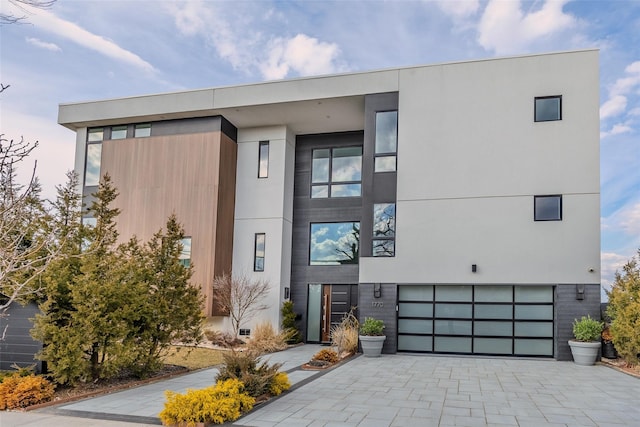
336 172
384 229
94 155
185 253
386 143
142 130
258 258
548 108
547 208
263 159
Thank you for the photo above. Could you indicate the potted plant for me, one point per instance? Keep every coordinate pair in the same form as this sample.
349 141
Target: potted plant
586 342
372 336
608 350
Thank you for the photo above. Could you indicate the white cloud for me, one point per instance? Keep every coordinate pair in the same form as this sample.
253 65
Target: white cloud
613 106
47 21
458 9
617 129
620 90
249 49
610 262
48 46
504 28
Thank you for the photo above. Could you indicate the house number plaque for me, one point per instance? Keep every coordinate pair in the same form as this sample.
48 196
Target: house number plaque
377 304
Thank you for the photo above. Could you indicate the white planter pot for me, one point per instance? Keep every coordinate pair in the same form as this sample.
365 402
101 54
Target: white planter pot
584 353
372 345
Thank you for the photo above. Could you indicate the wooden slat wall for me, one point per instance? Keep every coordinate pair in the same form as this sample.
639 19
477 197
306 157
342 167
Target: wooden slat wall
181 174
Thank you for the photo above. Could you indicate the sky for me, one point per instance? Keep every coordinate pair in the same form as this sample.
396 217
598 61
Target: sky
82 50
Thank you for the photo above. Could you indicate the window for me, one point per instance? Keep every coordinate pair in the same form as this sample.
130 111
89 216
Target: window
258 254
334 243
384 229
263 159
185 253
548 108
92 165
386 141
142 130
547 208
336 172
118 132
95 135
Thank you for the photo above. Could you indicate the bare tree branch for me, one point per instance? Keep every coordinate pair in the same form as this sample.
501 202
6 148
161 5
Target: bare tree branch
240 296
11 18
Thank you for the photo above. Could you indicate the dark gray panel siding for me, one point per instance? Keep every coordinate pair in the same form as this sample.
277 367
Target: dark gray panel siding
18 347
307 211
568 308
383 308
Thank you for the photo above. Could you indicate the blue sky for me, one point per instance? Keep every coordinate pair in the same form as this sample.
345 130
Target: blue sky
82 50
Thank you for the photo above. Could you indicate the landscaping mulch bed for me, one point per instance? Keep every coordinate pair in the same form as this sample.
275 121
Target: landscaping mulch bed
621 365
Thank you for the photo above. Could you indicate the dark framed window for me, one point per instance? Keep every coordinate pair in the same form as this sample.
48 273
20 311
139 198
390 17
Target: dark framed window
142 130
386 143
548 108
263 159
119 132
336 172
334 243
547 208
258 254
384 229
93 157
185 252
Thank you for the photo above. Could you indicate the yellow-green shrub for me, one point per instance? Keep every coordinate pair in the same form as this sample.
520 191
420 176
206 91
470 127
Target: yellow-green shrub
222 402
20 392
327 355
624 310
279 384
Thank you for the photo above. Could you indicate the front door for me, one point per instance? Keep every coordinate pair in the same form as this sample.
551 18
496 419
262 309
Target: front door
327 305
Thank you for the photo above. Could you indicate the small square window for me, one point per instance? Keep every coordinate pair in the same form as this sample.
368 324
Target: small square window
142 130
96 134
547 208
548 108
118 132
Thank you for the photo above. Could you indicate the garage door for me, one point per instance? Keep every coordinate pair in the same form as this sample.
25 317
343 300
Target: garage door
476 319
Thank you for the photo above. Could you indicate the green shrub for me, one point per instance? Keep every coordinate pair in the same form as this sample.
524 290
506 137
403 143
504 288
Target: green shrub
587 329
372 327
624 310
225 401
289 322
22 391
327 355
257 377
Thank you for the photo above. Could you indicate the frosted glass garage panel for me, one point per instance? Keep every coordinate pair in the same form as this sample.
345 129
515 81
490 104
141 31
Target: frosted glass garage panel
483 328
489 293
534 329
490 311
415 309
414 343
533 347
534 312
452 344
415 293
452 327
415 326
492 345
534 293
454 310
454 293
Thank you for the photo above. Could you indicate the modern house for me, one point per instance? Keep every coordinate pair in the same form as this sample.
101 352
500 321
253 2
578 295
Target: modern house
458 202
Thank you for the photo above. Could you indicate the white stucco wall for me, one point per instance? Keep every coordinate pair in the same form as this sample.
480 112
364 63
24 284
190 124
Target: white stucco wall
470 160
264 205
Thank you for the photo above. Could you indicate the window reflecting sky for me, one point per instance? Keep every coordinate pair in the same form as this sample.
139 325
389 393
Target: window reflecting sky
334 243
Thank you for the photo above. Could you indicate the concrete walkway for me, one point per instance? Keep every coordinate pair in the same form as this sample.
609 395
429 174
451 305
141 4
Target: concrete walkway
394 390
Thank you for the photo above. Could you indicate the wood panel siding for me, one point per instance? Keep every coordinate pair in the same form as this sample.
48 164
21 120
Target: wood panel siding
191 175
